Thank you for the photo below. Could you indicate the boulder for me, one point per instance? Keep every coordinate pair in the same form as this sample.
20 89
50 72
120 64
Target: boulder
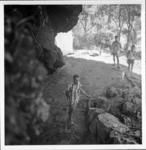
112 122
93 113
135 92
102 125
137 101
128 108
118 138
111 92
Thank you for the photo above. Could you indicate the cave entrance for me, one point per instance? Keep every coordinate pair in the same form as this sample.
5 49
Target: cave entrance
65 42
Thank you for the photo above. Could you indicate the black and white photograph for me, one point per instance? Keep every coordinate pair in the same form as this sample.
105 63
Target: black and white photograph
74 73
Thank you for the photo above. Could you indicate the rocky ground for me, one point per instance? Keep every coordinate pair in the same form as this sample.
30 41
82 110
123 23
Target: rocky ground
40 106
113 115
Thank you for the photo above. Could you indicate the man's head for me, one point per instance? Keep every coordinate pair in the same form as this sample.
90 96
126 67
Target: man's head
116 38
76 78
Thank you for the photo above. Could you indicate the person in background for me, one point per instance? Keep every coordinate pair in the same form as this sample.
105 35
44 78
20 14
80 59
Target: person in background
115 49
73 95
131 58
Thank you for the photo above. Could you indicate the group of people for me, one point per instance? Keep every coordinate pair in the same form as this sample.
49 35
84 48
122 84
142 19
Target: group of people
75 88
115 50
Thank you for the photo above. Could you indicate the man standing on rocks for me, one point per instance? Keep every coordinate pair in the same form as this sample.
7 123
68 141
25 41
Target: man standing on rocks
116 47
73 96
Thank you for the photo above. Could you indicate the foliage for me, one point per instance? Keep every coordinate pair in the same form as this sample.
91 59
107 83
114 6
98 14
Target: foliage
106 21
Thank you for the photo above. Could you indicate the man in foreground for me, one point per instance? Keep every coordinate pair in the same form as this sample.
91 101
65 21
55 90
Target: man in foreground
73 96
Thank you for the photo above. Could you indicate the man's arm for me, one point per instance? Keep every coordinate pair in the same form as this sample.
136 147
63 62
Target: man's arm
83 92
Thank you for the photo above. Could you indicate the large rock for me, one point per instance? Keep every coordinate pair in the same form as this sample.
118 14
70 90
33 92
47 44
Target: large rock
60 19
112 122
118 138
44 21
102 125
111 92
30 32
130 108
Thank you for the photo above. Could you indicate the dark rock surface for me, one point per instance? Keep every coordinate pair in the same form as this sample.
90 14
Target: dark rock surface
30 54
44 22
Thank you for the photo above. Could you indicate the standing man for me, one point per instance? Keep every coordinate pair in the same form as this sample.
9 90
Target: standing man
131 58
73 97
115 49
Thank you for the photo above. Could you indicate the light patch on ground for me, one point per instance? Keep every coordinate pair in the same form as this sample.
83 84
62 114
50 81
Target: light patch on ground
104 57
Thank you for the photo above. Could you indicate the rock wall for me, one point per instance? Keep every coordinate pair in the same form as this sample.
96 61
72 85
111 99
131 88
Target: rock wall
30 54
44 22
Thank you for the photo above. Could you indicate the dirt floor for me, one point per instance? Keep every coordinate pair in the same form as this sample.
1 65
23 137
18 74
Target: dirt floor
96 73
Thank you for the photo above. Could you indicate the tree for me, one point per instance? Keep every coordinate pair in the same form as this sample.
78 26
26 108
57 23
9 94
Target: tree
114 19
132 12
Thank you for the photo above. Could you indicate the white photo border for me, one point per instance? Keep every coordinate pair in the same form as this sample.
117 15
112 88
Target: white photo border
2 84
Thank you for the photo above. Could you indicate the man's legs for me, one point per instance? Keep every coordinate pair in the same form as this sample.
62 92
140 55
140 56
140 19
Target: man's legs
70 110
132 64
128 66
114 59
118 65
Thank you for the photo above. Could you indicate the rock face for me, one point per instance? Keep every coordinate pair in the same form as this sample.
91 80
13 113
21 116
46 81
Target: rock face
44 22
31 53
115 117
102 125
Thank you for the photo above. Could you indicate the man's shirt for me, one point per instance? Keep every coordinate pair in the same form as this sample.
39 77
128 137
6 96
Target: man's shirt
74 92
116 47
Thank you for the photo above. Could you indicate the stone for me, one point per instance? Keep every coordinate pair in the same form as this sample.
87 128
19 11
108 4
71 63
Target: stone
137 101
99 133
125 93
112 122
115 106
93 113
118 138
101 126
61 21
135 92
111 92
128 107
